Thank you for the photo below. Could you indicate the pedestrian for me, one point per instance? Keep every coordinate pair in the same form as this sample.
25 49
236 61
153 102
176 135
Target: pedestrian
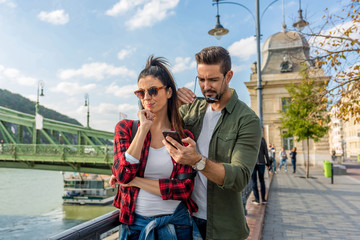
227 134
272 154
259 171
333 155
283 158
154 193
293 159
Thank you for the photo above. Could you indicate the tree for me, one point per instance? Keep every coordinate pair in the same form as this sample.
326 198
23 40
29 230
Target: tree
337 49
303 118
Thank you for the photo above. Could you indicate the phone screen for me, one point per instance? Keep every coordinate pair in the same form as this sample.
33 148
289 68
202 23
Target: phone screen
174 134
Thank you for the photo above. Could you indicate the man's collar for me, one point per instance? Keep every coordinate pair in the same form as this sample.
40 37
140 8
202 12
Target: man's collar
232 101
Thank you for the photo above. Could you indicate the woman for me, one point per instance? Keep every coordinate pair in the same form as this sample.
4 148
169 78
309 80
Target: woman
283 158
293 159
143 167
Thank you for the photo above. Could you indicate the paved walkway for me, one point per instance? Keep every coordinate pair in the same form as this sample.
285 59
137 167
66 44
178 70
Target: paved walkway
313 208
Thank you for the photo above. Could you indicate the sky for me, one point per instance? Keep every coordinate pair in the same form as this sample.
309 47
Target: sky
99 47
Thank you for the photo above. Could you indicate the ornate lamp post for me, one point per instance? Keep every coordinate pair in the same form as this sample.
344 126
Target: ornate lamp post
218 31
87 104
40 93
301 23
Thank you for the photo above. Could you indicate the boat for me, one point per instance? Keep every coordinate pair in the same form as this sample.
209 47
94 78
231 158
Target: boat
87 189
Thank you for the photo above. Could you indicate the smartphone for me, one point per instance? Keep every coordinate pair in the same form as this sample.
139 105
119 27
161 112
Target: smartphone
174 134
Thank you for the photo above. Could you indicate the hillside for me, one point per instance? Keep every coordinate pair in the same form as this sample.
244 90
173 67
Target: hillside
19 103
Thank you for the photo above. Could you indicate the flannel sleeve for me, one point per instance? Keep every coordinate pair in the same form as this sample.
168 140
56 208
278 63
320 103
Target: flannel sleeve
123 170
174 188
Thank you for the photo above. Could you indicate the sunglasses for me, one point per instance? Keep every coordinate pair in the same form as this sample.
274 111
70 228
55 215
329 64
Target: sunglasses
153 91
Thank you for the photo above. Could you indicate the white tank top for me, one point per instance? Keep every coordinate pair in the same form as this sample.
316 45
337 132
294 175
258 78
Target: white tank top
159 165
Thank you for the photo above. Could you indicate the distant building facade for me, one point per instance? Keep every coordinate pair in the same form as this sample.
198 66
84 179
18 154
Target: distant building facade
282 54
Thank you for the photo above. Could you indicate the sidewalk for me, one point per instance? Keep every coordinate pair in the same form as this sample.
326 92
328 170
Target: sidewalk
256 213
313 208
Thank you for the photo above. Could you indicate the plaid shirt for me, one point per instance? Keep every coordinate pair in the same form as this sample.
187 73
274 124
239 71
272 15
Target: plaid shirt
125 172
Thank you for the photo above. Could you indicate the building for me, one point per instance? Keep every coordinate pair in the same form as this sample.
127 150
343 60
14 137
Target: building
282 54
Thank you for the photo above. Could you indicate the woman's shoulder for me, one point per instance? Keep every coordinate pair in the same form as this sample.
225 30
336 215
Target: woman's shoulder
124 123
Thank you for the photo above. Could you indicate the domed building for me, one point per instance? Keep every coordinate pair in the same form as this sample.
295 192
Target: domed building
282 55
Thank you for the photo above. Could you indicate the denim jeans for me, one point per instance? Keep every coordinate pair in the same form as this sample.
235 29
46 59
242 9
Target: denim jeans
281 163
160 227
201 224
258 170
293 162
273 165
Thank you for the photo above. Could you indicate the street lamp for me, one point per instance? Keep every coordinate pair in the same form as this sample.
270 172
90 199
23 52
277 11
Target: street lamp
301 23
40 93
37 125
87 104
218 30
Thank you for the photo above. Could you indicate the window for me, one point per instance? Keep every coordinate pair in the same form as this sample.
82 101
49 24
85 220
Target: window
285 102
288 142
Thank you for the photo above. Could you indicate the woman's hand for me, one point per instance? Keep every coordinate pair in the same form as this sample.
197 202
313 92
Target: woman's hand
146 118
113 181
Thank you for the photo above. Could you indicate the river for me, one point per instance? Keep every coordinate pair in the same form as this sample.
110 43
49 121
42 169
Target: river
31 205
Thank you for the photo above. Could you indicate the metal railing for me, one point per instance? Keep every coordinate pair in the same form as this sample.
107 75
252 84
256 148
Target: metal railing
94 229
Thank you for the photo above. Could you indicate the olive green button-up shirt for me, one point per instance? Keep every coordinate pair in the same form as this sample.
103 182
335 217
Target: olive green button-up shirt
235 143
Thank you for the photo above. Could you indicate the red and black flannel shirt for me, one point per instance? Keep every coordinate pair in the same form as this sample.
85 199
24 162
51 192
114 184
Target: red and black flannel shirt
125 172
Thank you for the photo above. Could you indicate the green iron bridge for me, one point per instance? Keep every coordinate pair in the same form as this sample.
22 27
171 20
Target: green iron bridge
57 146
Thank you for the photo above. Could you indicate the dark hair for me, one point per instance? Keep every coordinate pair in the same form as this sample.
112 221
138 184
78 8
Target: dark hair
215 55
158 68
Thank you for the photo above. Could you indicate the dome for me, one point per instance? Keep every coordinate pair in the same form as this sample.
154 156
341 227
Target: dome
286 47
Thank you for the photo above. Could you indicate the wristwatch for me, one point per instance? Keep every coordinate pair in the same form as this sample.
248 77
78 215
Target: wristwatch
200 165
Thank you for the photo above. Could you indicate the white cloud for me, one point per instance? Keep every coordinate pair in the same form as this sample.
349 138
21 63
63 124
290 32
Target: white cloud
14 75
152 12
96 70
8 3
190 85
72 89
110 109
125 52
335 31
243 49
239 68
124 91
123 6
148 12
182 64
57 17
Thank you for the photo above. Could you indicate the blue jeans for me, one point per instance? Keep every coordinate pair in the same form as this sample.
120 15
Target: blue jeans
293 162
258 170
162 227
281 162
201 224
273 165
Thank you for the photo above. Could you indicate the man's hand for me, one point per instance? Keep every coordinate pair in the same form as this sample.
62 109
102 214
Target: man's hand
185 96
181 154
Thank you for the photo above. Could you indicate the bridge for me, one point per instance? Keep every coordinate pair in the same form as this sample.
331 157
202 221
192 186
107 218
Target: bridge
55 146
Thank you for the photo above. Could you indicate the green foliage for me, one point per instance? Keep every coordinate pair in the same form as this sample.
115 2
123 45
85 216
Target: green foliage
304 118
22 104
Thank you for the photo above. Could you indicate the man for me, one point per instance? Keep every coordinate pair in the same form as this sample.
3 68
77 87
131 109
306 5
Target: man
259 171
227 134
272 155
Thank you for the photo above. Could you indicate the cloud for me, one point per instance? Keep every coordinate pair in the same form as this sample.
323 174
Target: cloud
72 89
148 12
57 17
190 85
124 91
14 75
243 49
239 68
125 52
110 109
123 6
96 70
336 31
182 64
8 3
